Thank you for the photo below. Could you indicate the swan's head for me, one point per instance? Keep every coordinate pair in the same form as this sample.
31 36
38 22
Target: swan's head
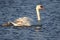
39 7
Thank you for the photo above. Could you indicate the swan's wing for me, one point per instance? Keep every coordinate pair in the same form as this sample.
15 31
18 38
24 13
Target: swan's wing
28 19
25 21
17 20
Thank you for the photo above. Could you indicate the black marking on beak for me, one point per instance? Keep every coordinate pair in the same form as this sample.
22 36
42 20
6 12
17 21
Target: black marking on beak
41 6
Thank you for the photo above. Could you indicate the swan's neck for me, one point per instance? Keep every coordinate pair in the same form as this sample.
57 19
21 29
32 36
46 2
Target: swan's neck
38 14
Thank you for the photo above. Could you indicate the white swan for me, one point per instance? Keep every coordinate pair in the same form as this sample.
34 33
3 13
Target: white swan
25 21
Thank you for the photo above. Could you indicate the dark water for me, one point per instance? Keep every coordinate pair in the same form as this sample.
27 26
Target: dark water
50 19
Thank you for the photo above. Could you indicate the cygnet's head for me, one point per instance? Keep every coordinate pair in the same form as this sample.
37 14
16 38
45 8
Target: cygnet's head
39 7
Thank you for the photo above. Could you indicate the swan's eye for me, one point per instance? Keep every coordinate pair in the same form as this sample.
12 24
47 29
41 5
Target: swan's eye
41 6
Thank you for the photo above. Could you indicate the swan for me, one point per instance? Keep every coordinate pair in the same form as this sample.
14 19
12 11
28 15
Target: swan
25 21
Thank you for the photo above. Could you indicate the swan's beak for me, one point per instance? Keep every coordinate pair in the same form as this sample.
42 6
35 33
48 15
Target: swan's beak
41 7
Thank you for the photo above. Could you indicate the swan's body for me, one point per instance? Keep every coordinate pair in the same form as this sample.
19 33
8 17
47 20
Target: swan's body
25 21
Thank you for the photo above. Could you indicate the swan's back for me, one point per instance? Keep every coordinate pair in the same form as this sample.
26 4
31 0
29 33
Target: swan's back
23 21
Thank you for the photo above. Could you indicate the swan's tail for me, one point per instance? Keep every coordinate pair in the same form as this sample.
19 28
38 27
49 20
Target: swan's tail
7 24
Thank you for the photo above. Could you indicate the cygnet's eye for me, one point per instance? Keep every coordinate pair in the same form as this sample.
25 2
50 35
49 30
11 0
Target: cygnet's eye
41 6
